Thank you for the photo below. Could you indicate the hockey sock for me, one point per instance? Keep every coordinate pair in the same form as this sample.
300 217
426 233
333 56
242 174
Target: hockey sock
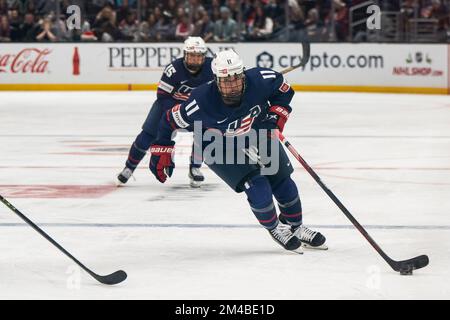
196 159
139 149
259 196
288 200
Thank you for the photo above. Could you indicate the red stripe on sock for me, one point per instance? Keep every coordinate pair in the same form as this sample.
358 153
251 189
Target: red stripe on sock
267 221
291 215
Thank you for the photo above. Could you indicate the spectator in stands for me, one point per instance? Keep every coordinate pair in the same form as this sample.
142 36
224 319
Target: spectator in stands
164 28
313 27
439 11
28 28
194 6
214 10
170 9
46 31
14 22
248 13
45 7
225 29
341 20
3 8
296 22
204 27
129 27
184 28
410 8
98 5
105 25
276 11
262 26
146 29
5 29
233 5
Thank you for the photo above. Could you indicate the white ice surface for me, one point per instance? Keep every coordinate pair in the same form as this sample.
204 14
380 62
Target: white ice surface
387 157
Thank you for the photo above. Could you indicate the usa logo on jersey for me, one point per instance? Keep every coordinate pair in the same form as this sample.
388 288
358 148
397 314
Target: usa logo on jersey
242 126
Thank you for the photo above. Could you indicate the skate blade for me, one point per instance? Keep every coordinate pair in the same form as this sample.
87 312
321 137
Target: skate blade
195 184
299 250
119 183
307 246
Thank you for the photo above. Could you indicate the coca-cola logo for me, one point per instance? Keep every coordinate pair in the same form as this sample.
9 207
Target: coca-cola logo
29 60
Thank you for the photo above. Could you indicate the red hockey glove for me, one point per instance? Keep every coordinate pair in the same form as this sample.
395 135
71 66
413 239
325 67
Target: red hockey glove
161 164
278 115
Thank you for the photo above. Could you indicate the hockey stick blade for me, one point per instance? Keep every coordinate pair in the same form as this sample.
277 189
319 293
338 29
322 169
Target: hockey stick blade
410 264
111 279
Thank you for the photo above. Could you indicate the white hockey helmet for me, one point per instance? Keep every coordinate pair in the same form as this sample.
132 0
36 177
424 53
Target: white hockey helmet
227 63
194 53
194 45
228 69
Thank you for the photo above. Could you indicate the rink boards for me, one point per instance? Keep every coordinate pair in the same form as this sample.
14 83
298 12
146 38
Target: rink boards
395 68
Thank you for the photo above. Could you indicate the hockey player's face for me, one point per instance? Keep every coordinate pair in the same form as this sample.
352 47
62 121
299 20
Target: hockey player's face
231 88
194 61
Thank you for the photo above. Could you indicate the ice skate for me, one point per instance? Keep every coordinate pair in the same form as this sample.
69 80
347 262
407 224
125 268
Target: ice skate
282 234
196 177
310 239
124 176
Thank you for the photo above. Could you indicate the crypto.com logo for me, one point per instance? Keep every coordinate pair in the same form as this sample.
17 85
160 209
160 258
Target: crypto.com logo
264 60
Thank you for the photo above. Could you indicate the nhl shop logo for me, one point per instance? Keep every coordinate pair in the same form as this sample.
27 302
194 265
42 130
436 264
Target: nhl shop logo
264 60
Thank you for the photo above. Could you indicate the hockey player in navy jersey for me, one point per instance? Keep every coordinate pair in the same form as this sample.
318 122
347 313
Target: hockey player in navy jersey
237 102
175 86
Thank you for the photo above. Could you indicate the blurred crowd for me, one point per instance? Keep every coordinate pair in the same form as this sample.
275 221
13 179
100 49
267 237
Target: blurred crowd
214 20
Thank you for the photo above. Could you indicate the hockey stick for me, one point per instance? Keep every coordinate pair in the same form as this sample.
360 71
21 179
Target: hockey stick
111 279
404 267
305 58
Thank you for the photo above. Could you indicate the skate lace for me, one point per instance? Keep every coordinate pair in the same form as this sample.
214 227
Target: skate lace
282 233
305 234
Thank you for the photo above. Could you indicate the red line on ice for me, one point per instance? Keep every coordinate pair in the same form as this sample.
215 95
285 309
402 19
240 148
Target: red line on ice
56 191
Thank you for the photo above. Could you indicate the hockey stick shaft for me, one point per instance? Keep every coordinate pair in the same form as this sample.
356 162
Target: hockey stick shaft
347 213
305 58
56 244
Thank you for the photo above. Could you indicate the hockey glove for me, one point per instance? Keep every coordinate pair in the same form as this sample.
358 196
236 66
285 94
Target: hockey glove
277 117
161 164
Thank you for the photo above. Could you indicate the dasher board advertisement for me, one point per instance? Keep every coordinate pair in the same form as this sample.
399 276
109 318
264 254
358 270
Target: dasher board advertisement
420 68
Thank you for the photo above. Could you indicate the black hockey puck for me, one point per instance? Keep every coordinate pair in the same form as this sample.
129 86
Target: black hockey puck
407 272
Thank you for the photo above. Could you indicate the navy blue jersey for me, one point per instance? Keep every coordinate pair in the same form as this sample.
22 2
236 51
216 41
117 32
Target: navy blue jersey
177 82
263 88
